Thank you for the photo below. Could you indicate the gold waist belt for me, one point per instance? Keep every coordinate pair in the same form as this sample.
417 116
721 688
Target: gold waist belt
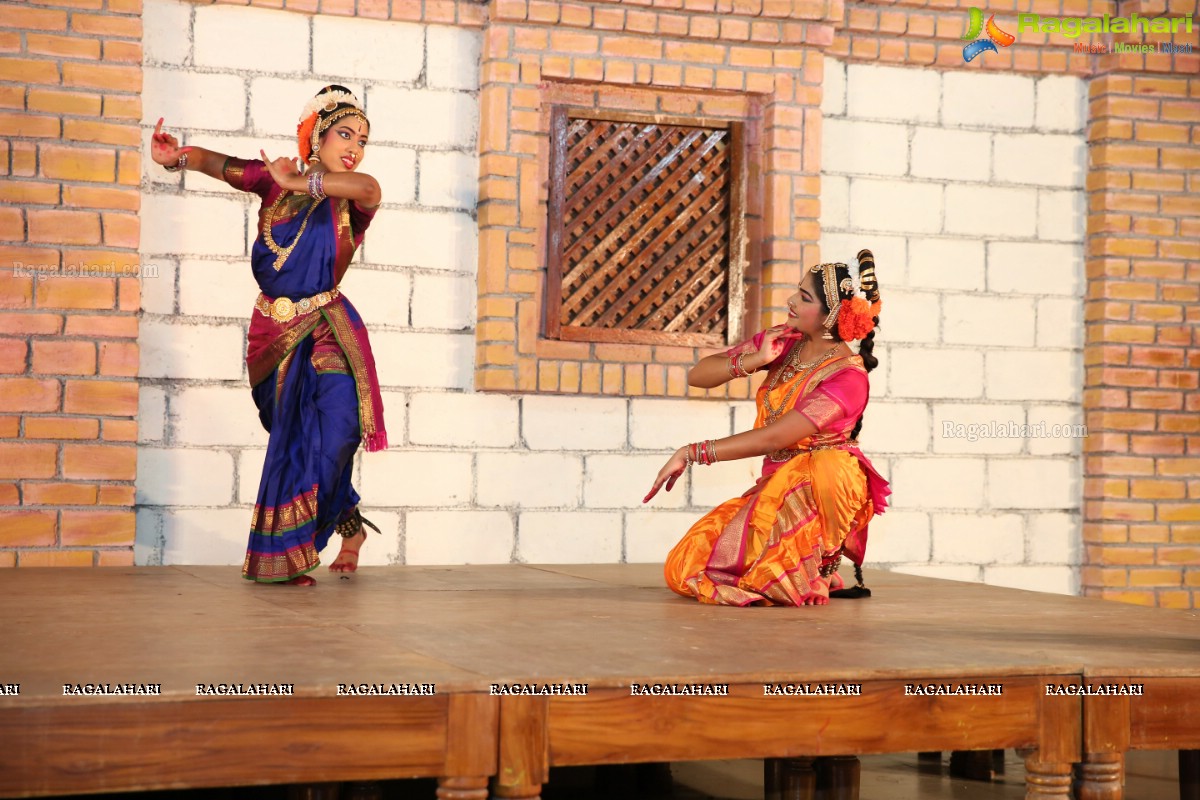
283 309
791 452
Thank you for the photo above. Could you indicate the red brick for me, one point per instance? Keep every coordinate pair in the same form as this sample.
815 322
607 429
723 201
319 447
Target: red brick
30 125
13 356
60 494
12 224
124 558
101 197
27 192
27 528
28 394
104 398
58 558
107 25
61 428
62 46
121 230
28 323
28 70
100 528
120 430
101 76
77 292
99 462
22 460
64 227
10 428
107 326
123 107
64 358
78 164
119 359
113 495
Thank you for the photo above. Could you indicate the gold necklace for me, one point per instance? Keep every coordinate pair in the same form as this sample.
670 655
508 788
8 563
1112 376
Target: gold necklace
793 367
282 253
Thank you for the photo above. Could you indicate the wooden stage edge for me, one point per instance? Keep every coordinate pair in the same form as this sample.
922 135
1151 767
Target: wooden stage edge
128 679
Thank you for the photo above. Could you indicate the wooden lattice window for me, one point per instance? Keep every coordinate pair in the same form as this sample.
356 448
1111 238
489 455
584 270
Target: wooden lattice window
646 231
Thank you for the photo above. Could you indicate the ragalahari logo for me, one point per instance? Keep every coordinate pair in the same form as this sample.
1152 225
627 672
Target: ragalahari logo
995 36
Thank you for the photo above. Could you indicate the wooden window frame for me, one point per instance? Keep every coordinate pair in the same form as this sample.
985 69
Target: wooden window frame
737 257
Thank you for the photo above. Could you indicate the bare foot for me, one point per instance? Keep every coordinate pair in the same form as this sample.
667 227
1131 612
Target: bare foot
819 596
302 580
836 582
347 559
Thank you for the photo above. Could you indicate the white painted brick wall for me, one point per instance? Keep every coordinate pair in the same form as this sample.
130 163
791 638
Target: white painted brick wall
555 537
530 480
549 422
201 352
463 420
458 537
892 93
938 482
417 478
176 476
985 100
621 480
975 538
166 32
1042 159
974 319
1035 268
367 49
445 302
990 210
197 417
866 148
951 154
945 264
650 535
669 424
223 37
901 206
1061 104
452 58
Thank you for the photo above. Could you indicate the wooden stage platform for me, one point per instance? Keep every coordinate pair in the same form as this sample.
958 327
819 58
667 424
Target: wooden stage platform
889 660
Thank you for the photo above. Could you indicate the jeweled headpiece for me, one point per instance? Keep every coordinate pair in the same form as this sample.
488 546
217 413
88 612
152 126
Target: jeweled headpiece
854 316
332 103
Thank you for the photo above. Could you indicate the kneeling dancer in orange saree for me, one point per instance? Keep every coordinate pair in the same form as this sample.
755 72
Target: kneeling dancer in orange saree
781 542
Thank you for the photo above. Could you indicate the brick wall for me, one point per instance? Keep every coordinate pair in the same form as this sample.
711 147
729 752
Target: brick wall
70 80
975 214
1142 496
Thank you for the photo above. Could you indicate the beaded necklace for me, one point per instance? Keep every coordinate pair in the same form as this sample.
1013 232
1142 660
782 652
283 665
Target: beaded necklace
282 253
793 367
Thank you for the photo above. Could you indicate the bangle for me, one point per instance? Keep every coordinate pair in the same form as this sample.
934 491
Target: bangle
316 184
178 165
736 369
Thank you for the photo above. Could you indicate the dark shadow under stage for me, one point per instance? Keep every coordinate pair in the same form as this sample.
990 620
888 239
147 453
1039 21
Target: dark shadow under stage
922 665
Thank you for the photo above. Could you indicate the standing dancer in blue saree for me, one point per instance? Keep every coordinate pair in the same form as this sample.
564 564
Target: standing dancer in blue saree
310 364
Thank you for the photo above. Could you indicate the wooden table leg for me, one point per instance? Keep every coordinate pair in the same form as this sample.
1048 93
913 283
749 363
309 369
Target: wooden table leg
314 791
1044 779
1099 777
772 778
529 791
798 779
1189 775
838 778
462 789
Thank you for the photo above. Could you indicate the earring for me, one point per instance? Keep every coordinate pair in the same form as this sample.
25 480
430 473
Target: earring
313 158
827 335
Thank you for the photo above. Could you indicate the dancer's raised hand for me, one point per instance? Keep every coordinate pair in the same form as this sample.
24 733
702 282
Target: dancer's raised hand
164 148
285 171
775 342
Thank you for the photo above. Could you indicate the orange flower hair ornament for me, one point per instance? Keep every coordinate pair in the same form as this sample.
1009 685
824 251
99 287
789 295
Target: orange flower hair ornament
858 316
313 124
